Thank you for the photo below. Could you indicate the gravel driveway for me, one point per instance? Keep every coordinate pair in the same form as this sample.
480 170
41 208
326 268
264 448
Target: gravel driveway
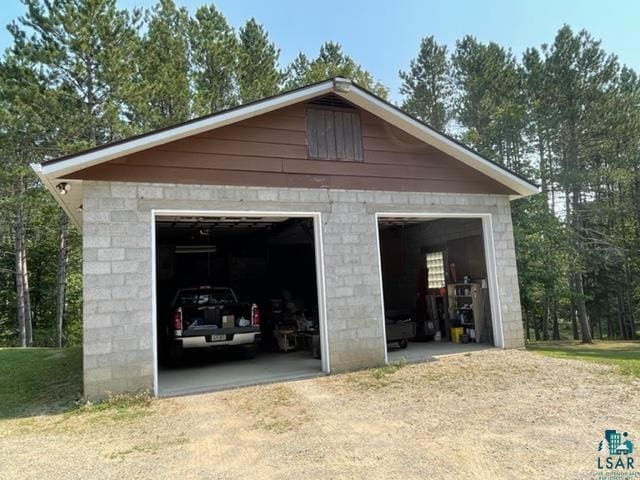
492 414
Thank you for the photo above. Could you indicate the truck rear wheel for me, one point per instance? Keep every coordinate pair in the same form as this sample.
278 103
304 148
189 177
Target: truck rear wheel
250 351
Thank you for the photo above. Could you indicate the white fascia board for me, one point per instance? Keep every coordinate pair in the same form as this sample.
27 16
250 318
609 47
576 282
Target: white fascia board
69 210
81 161
381 109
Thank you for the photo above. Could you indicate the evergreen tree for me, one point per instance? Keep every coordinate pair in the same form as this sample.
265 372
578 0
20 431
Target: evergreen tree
214 57
426 85
258 74
72 60
297 72
83 50
582 77
331 62
489 103
160 94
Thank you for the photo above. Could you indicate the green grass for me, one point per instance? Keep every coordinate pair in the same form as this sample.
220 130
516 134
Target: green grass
376 378
39 380
121 407
381 372
624 355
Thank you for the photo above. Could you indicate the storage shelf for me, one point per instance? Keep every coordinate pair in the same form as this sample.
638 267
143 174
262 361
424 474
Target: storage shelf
472 311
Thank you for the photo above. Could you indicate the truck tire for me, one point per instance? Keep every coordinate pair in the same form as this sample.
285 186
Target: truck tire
404 343
250 351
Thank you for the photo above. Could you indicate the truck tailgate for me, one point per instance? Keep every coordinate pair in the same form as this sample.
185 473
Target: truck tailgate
205 330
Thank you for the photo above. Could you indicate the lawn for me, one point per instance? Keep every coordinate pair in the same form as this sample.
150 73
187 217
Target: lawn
39 380
623 355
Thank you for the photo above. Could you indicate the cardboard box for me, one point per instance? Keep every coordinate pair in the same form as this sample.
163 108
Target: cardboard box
228 321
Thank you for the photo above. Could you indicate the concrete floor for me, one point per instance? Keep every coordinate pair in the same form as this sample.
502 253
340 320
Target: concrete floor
207 371
426 351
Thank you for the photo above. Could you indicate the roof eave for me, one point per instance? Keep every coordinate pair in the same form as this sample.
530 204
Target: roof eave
97 156
343 87
46 181
389 113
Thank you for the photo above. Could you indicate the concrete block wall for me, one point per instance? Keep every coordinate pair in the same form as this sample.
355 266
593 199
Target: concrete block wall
118 315
118 339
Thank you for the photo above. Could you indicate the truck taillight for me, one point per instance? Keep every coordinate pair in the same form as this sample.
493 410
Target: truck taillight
177 320
255 315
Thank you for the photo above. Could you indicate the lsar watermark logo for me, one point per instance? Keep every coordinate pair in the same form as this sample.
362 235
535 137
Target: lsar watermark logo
616 458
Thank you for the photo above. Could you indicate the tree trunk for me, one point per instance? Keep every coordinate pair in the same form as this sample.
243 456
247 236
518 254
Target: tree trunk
555 332
574 321
544 190
536 329
578 284
582 309
23 301
27 294
631 316
545 320
61 284
610 329
600 327
623 330
19 238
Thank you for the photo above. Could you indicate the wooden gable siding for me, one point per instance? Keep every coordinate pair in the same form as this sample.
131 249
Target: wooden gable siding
333 134
271 150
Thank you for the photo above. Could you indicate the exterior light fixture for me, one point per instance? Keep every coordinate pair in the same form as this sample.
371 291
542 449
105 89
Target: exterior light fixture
63 188
342 84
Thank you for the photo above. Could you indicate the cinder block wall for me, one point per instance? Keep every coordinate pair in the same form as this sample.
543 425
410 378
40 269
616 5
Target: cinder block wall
118 316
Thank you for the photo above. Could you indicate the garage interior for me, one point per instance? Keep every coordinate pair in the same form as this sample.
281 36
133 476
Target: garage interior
269 262
434 277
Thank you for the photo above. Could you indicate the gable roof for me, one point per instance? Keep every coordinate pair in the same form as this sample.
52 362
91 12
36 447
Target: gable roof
52 170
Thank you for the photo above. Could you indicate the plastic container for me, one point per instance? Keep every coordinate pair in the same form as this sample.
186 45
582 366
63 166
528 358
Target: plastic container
456 333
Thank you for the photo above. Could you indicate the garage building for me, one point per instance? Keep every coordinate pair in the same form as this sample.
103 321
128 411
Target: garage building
325 206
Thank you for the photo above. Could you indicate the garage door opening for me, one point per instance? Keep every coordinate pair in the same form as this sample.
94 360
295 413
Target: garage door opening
237 301
435 283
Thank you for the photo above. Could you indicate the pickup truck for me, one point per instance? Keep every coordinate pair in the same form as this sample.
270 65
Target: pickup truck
212 317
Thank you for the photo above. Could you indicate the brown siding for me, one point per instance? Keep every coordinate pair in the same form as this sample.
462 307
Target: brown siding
271 150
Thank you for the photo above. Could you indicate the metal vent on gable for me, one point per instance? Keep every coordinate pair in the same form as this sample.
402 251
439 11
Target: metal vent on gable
331 100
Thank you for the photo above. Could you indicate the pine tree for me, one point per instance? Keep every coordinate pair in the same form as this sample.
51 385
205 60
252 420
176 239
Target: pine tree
426 85
84 51
160 94
214 50
331 62
258 74
75 58
581 75
489 103
297 72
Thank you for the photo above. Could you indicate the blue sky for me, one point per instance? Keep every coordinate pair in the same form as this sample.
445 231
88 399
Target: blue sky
384 36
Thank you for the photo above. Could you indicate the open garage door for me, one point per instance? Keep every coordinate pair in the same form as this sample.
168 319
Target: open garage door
436 286
237 301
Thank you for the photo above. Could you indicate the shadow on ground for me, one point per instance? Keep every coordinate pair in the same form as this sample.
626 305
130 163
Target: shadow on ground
39 381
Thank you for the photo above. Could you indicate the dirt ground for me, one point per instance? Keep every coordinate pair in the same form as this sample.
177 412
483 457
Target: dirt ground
492 414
